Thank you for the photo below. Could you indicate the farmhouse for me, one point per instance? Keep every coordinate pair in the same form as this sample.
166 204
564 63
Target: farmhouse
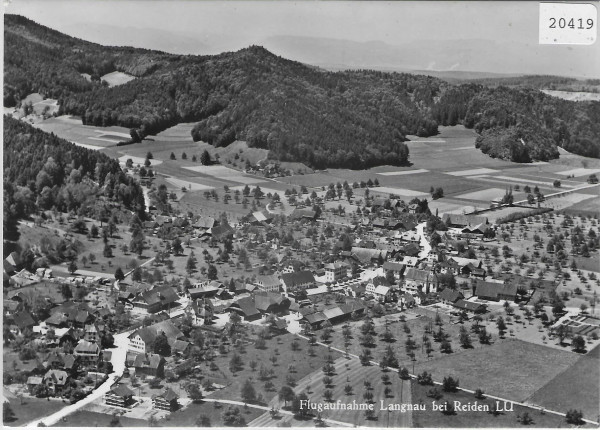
155 300
141 339
449 296
419 280
246 308
476 308
495 291
297 280
149 364
166 401
119 396
87 352
268 283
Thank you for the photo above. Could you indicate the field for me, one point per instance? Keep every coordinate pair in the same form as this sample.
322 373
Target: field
187 417
117 78
511 369
475 419
577 96
576 387
469 178
31 408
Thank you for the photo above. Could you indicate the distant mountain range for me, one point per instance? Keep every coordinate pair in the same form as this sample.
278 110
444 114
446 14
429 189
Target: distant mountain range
298 112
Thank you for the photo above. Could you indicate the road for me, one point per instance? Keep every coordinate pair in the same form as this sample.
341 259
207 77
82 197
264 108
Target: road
424 242
119 353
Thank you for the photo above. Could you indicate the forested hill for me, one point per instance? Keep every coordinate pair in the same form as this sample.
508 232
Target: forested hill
42 172
352 119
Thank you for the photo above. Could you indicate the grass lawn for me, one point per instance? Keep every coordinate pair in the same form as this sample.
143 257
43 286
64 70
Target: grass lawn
33 408
303 363
575 388
95 419
188 416
511 369
477 419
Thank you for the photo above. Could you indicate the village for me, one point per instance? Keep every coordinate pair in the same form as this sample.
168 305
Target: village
222 304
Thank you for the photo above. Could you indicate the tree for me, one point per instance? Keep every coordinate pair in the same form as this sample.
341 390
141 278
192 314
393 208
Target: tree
212 272
203 420
574 417
172 156
479 394
176 246
450 384
232 417
425 378
72 268
286 394
578 344
195 393
66 292
119 275
161 345
205 158
248 392
235 363
190 265
446 347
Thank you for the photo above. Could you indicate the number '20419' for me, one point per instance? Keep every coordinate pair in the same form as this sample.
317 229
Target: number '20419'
573 23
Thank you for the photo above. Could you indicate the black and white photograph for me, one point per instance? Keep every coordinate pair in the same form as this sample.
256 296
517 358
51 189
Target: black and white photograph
301 214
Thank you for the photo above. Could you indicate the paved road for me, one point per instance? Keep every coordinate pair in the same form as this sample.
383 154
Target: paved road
119 353
424 242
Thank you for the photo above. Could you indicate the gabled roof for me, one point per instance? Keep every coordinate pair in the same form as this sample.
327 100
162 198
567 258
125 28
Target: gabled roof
122 391
164 294
417 274
152 361
169 395
315 317
451 295
333 312
494 290
381 290
85 347
469 306
298 278
23 320
393 266
246 305
58 376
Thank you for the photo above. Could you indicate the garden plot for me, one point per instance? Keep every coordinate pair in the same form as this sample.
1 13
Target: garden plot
403 172
472 172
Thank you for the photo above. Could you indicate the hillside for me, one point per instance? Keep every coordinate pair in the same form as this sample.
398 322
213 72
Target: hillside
352 119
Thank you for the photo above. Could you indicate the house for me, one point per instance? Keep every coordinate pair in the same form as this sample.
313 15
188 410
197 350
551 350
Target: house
120 396
461 221
155 300
267 303
268 283
495 291
166 401
410 261
202 292
33 382
87 352
56 381
297 280
463 266
369 255
20 322
376 282
396 268
419 280
292 266
91 333
222 231
141 340
303 214
477 308
449 296
204 308
245 308
382 293
336 271
150 365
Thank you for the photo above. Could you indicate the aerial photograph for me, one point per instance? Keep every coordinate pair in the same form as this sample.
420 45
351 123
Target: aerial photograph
300 214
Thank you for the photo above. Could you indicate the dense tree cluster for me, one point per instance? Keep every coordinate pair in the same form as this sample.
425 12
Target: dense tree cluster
42 171
353 119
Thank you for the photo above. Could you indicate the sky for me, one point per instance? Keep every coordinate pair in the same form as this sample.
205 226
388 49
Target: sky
498 37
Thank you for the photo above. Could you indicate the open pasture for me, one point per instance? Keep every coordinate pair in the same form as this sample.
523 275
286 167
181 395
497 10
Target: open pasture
574 388
472 172
579 172
487 368
403 172
117 78
72 129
